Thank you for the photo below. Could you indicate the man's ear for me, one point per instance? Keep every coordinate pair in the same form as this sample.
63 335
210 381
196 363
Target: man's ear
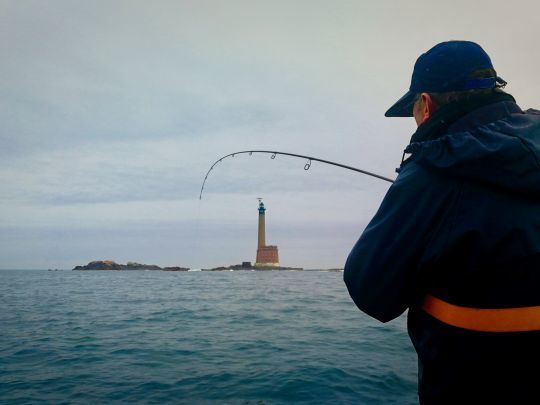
428 106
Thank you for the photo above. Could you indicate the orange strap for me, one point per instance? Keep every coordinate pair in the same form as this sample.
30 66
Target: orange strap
520 319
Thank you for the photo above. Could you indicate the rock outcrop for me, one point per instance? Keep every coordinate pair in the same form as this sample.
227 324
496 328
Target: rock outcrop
139 266
111 265
100 265
175 268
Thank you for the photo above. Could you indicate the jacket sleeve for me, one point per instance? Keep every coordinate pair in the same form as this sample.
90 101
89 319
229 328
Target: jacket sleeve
381 270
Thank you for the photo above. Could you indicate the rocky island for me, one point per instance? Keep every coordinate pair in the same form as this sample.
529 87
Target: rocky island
111 265
248 266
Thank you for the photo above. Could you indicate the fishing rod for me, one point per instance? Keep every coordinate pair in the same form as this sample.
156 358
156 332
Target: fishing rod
306 166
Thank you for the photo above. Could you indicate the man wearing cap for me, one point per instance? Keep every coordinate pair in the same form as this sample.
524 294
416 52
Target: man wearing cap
457 237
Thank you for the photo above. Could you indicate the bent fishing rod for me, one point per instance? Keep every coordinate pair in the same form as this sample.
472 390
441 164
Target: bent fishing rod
306 166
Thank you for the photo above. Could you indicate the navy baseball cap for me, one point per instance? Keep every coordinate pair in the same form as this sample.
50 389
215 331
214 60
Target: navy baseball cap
448 66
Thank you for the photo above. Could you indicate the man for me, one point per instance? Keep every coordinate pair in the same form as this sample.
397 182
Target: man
457 237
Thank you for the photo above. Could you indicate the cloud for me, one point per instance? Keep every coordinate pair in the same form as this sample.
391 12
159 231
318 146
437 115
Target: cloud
112 113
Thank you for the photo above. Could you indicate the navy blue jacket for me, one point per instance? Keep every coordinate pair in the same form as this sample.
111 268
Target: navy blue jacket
461 222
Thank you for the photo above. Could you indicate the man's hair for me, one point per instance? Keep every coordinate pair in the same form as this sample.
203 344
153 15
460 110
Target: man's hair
442 99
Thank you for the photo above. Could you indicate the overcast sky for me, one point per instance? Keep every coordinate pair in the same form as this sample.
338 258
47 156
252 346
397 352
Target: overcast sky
112 111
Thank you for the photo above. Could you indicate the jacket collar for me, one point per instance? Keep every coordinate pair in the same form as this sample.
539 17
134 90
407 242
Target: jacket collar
460 116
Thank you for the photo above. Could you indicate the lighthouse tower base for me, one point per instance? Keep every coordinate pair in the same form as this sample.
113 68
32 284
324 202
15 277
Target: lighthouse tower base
267 256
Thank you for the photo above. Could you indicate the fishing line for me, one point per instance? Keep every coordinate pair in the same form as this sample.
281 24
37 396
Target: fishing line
306 166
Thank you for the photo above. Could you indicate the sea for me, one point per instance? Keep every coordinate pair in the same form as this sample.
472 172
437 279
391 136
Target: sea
197 337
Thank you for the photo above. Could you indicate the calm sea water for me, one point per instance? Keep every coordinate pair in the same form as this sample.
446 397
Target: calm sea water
238 337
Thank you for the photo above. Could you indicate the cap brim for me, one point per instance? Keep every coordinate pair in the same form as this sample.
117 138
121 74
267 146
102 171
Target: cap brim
403 107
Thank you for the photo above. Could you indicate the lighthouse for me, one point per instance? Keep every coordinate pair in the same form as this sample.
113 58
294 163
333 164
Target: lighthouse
267 256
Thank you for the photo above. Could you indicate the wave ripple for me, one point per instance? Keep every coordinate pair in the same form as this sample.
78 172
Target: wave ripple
204 337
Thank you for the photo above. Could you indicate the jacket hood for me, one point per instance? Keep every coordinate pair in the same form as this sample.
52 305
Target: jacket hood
496 144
